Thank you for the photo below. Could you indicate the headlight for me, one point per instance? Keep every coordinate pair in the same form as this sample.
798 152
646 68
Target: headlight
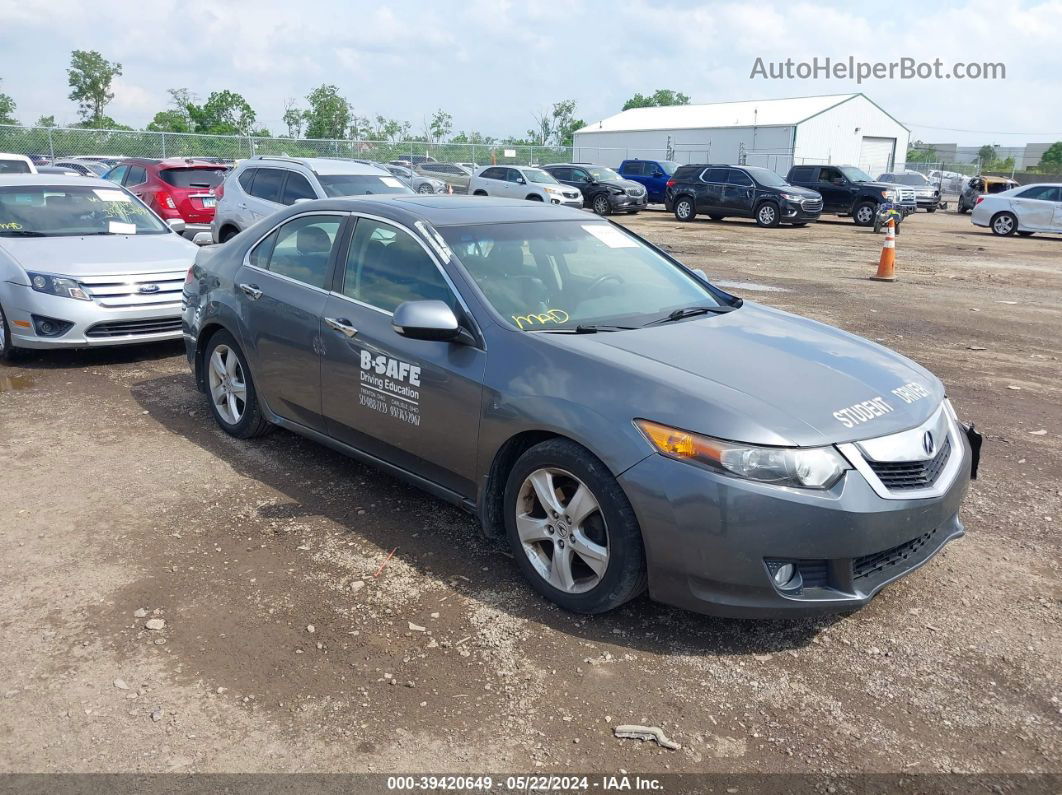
888 195
550 189
57 285
809 468
616 191
792 197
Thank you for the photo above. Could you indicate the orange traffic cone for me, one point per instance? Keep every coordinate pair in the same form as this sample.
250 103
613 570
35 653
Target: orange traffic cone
887 263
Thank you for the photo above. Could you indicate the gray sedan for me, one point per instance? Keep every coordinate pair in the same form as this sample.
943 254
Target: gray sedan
84 263
622 424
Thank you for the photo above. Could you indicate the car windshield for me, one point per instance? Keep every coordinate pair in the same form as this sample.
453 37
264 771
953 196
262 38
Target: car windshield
538 175
855 174
193 177
66 210
907 179
398 171
766 177
604 174
14 167
559 275
360 184
669 166
97 168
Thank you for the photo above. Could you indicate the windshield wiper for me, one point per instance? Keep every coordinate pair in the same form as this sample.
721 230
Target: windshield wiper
584 328
21 233
691 311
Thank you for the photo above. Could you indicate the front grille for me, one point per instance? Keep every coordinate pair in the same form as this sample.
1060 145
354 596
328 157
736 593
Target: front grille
130 328
814 573
141 289
571 195
635 192
902 475
880 561
907 196
812 205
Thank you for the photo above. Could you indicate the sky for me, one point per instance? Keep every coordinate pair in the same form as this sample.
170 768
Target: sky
492 64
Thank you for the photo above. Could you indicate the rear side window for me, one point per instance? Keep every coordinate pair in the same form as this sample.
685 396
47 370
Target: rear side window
136 175
1047 193
634 167
301 249
193 177
246 178
687 172
493 173
268 184
802 174
14 167
715 175
297 187
563 174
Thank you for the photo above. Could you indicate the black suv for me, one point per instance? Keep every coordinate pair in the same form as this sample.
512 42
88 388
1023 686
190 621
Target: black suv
744 191
847 190
604 191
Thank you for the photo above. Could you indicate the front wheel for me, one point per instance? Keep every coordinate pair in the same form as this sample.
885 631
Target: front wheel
601 205
8 351
572 529
767 215
864 213
425 188
1004 224
685 209
233 399
931 209
534 197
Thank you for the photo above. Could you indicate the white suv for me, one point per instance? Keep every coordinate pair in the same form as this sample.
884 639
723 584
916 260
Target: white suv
524 182
261 185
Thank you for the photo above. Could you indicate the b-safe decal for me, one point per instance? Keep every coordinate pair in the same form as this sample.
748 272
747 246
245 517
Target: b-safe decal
390 387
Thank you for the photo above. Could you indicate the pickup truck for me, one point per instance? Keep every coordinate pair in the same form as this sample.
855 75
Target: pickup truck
847 190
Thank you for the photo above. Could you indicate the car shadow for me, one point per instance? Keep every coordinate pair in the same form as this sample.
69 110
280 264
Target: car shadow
73 358
457 556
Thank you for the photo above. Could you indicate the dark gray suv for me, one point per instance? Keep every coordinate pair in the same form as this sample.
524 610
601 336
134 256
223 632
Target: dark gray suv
621 422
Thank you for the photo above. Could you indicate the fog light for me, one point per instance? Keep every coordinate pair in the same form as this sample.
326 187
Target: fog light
50 327
784 574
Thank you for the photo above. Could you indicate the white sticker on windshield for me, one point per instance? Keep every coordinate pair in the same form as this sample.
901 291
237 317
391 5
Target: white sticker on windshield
391 182
110 195
118 228
610 236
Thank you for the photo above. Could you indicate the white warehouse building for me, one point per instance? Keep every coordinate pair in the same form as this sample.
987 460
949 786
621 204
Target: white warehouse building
845 129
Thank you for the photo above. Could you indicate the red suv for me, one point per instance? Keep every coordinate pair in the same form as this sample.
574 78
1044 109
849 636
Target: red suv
175 188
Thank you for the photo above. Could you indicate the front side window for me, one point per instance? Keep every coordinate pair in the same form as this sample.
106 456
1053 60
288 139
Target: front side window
557 275
360 184
117 174
386 266
297 187
738 177
301 249
67 211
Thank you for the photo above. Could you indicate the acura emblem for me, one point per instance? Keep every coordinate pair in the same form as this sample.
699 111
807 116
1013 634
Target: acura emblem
927 443
147 289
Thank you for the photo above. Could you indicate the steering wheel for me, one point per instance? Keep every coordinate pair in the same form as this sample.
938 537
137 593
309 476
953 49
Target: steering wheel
614 277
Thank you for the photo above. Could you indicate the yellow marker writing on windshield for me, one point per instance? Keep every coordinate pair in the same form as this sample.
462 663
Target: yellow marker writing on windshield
549 316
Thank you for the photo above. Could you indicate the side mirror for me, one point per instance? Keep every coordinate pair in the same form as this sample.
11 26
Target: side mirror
701 275
658 173
203 239
589 180
427 320
176 224
521 181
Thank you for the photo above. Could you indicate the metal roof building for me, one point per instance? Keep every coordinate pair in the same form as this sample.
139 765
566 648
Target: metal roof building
776 133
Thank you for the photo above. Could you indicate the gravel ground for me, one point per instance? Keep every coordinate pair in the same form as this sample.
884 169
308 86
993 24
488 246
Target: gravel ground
172 599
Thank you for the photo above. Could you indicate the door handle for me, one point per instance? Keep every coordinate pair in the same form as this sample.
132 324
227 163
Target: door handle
251 290
342 325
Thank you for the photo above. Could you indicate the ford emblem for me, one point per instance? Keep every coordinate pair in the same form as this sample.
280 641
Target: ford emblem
148 289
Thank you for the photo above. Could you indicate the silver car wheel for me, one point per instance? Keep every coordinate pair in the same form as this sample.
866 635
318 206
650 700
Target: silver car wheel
562 530
683 209
1003 225
3 332
767 214
425 188
864 214
228 387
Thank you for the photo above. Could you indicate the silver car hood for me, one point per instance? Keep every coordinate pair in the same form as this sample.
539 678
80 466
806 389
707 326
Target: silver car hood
101 254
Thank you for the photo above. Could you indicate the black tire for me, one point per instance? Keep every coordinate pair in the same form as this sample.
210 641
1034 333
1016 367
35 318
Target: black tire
864 213
425 188
961 208
685 208
716 216
251 423
534 197
768 215
1003 224
633 212
1025 233
8 351
227 233
931 209
798 224
480 193
625 575
601 205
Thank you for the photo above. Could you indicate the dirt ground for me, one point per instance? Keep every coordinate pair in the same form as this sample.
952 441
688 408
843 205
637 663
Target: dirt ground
121 502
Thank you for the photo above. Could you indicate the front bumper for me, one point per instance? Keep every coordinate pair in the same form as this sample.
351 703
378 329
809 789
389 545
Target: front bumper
191 230
627 203
564 201
796 211
92 326
711 540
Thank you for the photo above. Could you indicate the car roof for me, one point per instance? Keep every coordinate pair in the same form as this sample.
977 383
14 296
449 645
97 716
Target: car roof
443 211
318 165
14 180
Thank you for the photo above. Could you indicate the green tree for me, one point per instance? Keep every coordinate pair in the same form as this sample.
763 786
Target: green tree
329 113
293 119
7 109
170 121
90 76
384 129
440 126
555 126
1051 162
224 113
474 137
45 121
658 99
921 153
102 123
986 154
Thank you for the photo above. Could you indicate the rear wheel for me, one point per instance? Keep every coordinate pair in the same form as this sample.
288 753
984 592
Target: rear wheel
1004 224
425 188
961 208
8 351
767 214
233 400
227 234
480 193
572 530
534 197
685 209
864 213
600 204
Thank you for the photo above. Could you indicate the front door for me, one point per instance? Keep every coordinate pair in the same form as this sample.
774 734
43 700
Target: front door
835 190
412 403
281 291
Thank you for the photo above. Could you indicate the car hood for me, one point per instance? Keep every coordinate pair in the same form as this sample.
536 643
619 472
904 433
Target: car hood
102 254
625 184
796 190
764 376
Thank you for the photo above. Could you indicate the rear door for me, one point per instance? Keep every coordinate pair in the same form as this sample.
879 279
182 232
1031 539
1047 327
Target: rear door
264 196
711 196
1056 221
281 290
413 403
739 194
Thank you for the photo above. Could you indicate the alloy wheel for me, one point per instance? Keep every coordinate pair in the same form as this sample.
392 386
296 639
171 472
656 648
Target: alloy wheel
3 332
425 188
562 530
683 209
767 214
864 215
1003 225
228 387
601 206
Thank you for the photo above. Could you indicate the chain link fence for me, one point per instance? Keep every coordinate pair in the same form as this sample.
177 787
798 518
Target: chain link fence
57 142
